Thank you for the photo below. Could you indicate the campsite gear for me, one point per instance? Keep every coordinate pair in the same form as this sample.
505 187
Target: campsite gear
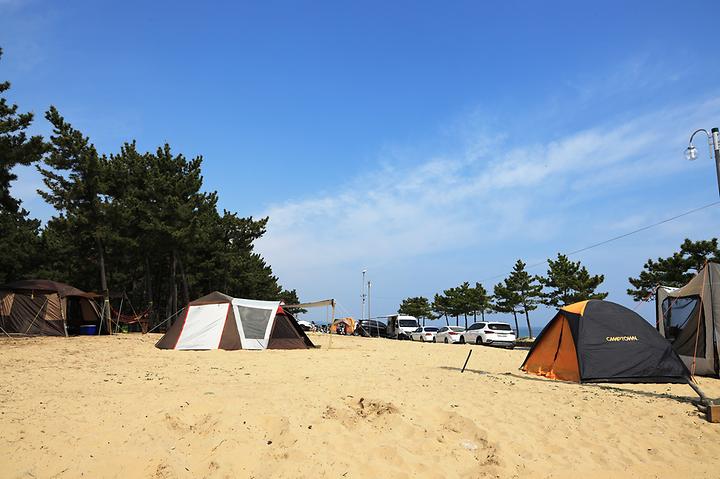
218 321
689 318
88 329
45 308
601 341
712 412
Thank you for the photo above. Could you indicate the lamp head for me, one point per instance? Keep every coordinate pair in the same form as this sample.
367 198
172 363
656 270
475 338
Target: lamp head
691 153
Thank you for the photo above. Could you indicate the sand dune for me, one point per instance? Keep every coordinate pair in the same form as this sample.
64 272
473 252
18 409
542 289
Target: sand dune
118 407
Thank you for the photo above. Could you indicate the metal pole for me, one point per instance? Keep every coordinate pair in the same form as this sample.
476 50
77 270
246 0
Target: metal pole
362 311
703 398
466 361
715 133
368 301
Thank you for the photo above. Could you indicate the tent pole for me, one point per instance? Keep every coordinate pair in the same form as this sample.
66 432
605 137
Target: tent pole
165 321
62 313
117 323
6 333
703 398
38 314
2 308
2 314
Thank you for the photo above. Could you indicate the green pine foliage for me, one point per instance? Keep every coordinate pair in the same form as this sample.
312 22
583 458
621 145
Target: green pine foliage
506 300
568 282
675 270
19 234
16 148
441 307
418 306
528 290
131 222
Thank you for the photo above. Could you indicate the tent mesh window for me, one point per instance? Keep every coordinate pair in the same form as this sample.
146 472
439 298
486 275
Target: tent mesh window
681 317
254 321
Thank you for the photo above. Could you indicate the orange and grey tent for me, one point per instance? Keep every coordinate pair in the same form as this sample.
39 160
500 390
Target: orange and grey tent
218 321
601 341
45 308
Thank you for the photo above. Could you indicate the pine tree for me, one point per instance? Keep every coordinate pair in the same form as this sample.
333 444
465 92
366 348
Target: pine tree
456 303
20 252
675 270
15 148
506 300
75 179
527 288
291 297
480 301
441 308
568 282
418 306
464 300
139 221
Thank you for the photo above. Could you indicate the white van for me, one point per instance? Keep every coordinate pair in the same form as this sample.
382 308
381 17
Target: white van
399 326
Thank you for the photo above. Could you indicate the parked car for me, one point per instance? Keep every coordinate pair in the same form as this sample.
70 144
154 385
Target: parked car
400 326
370 327
424 334
449 334
491 334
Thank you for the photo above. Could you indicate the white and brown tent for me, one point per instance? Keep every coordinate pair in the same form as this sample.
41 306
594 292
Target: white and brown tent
218 321
45 308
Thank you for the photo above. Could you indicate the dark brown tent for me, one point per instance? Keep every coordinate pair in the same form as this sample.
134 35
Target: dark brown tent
45 308
218 321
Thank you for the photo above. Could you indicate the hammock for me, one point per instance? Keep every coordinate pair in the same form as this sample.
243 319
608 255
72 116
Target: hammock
136 318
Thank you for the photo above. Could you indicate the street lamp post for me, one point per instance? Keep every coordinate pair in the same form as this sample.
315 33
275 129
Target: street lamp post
368 300
713 142
362 311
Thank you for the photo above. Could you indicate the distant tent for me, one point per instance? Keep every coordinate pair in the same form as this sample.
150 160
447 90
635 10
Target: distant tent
689 317
218 321
45 308
347 323
601 341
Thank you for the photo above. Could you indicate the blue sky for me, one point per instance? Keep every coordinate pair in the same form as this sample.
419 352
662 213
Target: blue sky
430 143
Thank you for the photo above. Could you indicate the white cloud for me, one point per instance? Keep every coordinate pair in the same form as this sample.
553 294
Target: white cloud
476 197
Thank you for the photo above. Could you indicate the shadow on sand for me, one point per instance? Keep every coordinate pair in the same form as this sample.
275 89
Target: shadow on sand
621 390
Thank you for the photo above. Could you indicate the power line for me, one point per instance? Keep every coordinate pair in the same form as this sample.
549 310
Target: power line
615 238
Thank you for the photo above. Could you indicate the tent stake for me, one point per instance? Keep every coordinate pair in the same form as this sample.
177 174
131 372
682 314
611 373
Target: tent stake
466 361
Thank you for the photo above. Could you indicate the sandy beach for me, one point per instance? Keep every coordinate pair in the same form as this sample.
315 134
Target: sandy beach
118 407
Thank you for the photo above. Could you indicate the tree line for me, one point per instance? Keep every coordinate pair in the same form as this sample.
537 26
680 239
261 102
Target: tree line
566 282
133 222
520 293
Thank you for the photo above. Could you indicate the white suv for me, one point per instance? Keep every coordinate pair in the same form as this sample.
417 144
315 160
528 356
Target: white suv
495 334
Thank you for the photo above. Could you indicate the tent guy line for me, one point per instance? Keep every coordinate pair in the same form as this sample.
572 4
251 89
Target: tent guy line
614 238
